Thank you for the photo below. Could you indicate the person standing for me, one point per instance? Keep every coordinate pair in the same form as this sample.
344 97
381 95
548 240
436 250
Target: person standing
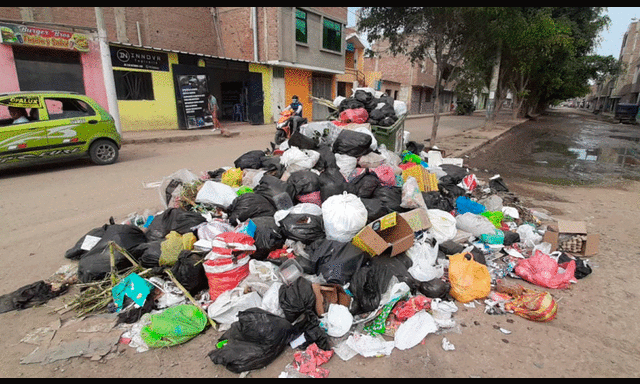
212 106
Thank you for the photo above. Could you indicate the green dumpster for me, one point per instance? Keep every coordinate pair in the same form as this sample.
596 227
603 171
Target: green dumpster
392 137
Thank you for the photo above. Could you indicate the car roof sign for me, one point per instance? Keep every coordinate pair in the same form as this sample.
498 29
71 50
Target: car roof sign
22 101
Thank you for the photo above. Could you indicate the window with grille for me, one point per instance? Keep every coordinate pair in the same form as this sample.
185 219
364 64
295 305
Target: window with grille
301 26
133 85
331 35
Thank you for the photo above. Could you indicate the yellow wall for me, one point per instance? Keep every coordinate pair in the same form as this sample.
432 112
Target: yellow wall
142 115
298 82
267 75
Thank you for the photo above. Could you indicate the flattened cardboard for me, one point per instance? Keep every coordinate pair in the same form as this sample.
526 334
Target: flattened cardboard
572 227
418 219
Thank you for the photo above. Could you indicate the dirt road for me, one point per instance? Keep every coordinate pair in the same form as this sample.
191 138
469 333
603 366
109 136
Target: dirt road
596 333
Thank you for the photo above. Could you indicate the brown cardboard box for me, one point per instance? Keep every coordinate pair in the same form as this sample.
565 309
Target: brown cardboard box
327 294
556 230
393 231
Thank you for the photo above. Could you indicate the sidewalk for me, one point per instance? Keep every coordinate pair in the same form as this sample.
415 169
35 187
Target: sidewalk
457 135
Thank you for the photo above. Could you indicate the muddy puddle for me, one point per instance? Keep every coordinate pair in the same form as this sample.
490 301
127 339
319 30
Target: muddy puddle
565 149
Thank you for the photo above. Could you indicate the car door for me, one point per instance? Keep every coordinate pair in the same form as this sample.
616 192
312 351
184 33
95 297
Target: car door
69 124
21 142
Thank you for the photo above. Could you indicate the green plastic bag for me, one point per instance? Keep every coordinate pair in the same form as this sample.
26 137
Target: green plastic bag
173 326
495 217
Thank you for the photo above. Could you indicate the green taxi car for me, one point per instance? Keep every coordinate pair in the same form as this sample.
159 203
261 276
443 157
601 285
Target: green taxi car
45 126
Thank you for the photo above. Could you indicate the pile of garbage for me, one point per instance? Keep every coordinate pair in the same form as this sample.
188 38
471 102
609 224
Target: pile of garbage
336 247
369 106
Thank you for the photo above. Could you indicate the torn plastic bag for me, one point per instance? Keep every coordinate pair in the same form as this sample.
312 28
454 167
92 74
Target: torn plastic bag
352 143
268 236
253 342
29 296
210 229
497 184
435 200
335 261
225 309
171 185
251 159
302 227
332 182
304 182
343 216
582 267
173 219
455 172
248 206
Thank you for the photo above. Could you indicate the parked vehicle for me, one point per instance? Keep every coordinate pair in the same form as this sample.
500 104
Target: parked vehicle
626 113
48 126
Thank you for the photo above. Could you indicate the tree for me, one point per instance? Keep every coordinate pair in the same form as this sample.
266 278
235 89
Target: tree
443 35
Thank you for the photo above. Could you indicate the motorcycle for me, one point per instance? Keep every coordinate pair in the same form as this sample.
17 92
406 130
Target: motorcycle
287 125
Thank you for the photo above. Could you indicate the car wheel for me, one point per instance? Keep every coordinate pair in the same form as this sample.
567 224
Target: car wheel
103 152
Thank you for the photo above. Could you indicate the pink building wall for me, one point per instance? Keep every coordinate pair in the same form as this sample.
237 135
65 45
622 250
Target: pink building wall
91 71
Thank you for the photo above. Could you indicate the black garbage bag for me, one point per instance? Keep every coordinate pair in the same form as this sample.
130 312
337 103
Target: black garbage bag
414 147
248 206
30 295
272 166
189 271
327 158
582 269
350 103
510 238
372 279
96 265
304 182
387 121
271 186
253 342
365 184
352 143
390 197
268 237
497 184
334 260
301 141
75 252
297 299
435 289
302 227
173 219
377 114
363 96
456 172
251 160
148 254
450 188
375 209
332 182
435 200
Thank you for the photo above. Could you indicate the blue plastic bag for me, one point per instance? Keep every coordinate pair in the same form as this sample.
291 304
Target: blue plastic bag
464 205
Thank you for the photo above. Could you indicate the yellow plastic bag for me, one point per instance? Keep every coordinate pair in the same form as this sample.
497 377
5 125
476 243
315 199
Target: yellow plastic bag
469 279
173 244
232 177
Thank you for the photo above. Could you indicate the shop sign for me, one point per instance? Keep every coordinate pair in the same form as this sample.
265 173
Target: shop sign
43 37
193 89
126 57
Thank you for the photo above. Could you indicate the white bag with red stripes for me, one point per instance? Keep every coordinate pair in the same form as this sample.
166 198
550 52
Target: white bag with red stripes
227 264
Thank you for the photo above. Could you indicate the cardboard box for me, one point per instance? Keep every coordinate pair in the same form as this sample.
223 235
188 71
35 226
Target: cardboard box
555 232
393 232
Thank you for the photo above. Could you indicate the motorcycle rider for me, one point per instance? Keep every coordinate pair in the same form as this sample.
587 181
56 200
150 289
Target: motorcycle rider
295 106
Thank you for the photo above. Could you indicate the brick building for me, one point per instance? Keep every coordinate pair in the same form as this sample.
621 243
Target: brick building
253 59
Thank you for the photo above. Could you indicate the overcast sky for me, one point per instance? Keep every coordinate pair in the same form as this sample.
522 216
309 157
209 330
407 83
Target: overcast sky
611 41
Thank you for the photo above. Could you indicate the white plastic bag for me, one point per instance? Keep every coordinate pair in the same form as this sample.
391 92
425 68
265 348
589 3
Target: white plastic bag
184 176
225 308
371 160
475 224
369 345
346 164
338 320
528 235
343 215
424 257
400 107
294 159
412 331
443 225
213 192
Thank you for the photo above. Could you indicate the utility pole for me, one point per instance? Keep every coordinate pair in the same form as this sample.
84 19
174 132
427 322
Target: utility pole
107 69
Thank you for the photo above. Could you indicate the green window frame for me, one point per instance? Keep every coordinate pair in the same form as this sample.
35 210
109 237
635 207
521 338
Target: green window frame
331 35
301 26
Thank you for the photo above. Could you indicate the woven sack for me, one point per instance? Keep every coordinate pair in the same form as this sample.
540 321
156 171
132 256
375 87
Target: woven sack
469 279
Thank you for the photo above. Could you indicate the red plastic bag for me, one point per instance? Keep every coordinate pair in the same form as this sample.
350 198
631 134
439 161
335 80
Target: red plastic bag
355 115
540 269
228 262
386 175
407 308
